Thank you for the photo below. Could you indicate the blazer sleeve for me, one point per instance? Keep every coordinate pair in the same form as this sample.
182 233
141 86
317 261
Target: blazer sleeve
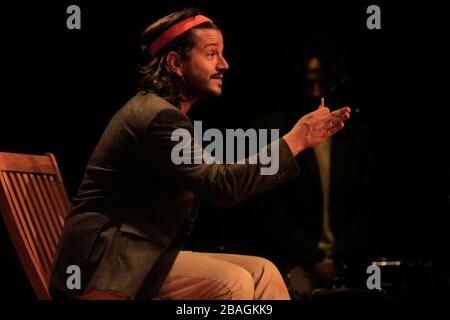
223 184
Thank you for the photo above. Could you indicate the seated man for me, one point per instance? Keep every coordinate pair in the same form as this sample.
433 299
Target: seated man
136 207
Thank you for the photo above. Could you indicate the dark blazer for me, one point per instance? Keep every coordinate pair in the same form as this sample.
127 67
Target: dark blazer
135 209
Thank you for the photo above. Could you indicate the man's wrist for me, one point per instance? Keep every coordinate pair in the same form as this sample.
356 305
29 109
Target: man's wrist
293 143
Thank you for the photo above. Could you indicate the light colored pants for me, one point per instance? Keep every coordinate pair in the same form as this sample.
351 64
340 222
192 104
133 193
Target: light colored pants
218 276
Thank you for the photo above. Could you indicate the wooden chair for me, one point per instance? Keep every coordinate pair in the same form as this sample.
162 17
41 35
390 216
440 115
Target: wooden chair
33 203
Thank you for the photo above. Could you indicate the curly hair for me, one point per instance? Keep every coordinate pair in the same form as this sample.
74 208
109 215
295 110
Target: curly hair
155 75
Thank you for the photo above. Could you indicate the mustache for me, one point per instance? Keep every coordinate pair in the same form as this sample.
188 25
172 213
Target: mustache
217 76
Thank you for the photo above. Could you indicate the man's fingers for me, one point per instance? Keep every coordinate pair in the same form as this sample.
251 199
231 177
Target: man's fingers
341 111
335 128
339 115
330 121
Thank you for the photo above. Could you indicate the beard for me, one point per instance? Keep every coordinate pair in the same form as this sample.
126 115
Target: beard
200 86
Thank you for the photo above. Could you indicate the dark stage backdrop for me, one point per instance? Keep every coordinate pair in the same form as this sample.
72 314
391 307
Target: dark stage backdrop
60 87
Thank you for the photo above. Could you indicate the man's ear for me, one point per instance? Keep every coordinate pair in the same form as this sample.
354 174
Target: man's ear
174 63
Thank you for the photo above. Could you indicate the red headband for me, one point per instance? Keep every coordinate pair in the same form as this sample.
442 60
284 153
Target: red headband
175 31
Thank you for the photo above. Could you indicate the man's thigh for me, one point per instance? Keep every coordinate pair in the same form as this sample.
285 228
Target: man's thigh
252 264
199 276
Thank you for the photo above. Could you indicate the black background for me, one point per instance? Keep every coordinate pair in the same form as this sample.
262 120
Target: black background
60 87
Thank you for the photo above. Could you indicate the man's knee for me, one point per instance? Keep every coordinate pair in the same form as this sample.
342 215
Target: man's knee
231 283
269 284
265 268
242 285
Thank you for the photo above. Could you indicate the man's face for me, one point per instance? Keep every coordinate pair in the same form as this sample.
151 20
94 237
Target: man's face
314 83
204 68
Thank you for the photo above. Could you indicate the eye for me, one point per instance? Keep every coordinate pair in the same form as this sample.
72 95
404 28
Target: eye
211 53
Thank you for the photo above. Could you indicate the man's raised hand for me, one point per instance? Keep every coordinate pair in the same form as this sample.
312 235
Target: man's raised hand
316 127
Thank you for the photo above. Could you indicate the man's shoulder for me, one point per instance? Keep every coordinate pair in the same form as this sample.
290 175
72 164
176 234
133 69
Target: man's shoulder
149 104
145 108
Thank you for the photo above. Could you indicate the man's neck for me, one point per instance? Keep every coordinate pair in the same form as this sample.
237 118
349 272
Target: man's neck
186 103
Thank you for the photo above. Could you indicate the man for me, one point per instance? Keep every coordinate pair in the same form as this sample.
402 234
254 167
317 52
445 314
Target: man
135 208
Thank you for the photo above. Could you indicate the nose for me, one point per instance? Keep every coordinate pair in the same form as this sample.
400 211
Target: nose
222 63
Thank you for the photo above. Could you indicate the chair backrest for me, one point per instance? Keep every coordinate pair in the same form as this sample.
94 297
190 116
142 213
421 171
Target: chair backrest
34 203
